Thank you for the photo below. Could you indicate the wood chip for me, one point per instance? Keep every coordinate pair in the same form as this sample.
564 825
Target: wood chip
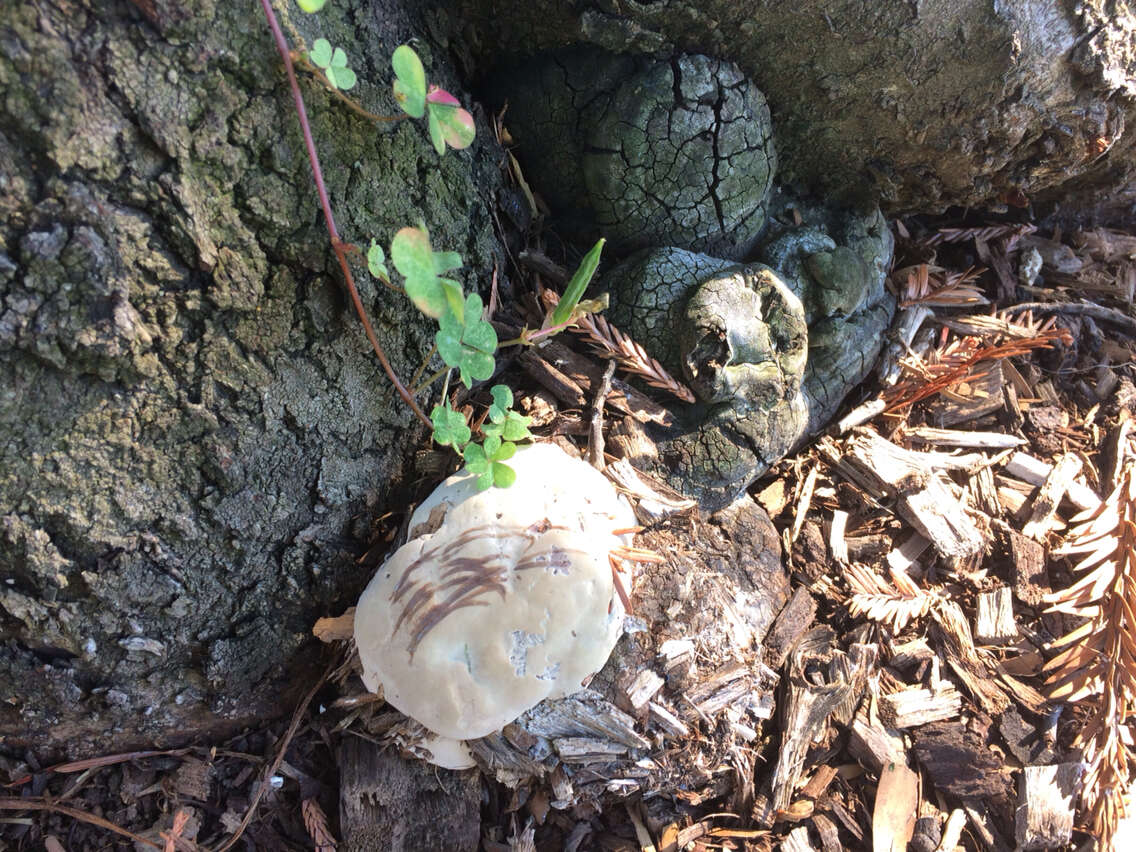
667 720
994 621
338 629
910 708
1049 497
1031 579
1028 469
797 840
965 438
643 688
874 744
1046 799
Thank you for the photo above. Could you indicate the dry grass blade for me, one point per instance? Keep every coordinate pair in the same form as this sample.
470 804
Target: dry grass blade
876 599
32 804
630 356
1097 664
315 821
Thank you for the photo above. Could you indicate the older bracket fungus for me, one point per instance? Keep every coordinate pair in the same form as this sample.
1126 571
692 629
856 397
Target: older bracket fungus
675 158
499 599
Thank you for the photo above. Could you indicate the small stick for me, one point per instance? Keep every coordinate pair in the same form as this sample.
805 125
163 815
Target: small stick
1097 312
281 748
617 581
595 435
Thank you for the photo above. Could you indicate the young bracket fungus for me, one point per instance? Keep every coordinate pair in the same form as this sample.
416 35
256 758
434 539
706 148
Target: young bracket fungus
500 598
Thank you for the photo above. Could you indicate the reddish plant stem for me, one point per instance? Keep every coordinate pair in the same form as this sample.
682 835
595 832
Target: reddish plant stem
337 244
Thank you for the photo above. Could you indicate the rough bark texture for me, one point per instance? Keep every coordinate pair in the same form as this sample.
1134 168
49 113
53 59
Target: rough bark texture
924 104
195 431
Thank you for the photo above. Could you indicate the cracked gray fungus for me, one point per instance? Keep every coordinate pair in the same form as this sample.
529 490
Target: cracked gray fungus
645 152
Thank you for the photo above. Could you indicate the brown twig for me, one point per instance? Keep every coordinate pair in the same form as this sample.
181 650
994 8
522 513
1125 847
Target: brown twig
633 358
337 244
281 748
30 804
595 429
1097 312
349 101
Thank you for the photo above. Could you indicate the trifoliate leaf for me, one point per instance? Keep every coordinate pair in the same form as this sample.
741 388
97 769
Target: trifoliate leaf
341 78
450 428
502 402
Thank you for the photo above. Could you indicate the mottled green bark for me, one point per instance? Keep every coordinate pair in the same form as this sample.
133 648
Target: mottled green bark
195 431
919 104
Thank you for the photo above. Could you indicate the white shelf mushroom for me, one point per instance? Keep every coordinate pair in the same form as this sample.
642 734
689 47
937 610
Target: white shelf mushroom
500 599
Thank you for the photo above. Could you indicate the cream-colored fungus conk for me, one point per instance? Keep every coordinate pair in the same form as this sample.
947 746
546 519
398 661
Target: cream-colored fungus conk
500 599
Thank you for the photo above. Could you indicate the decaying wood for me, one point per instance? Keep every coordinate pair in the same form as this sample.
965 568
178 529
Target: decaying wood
873 743
1031 579
388 802
596 423
994 621
958 760
1046 796
653 500
553 380
913 707
1049 496
793 620
808 706
925 499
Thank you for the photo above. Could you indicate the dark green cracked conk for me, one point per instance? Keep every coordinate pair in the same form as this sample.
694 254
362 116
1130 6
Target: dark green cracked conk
772 307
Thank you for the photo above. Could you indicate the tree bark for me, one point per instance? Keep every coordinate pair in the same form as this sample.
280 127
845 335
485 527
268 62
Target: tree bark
195 432
921 104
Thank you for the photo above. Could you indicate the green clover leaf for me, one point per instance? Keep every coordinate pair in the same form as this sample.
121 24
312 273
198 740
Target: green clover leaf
412 256
410 85
448 123
450 428
320 54
502 402
467 345
333 63
311 6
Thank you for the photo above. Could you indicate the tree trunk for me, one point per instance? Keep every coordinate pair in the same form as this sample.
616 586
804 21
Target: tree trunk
196 434
921 104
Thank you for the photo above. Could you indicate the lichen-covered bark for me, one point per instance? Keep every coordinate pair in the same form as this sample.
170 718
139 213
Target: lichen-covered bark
195 431
923 104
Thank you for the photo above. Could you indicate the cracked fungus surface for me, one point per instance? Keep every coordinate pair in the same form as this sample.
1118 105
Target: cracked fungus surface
647 152
500 599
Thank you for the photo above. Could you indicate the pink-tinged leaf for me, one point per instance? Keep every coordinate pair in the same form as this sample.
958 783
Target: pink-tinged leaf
453 123
441 96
